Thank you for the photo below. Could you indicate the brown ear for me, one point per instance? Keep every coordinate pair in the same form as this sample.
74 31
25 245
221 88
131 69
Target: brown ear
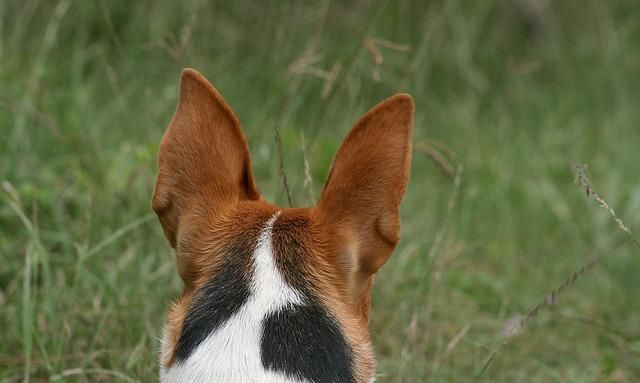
203 161
367 180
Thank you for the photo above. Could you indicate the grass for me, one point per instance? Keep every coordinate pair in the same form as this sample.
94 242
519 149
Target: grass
513 97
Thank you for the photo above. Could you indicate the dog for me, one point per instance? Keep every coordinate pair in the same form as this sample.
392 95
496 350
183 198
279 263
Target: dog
273 294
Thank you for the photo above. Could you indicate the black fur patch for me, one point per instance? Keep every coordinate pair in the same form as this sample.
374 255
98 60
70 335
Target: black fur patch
218 301
304 342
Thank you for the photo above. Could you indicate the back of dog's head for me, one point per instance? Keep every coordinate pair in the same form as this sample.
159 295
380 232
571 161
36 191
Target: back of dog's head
228 240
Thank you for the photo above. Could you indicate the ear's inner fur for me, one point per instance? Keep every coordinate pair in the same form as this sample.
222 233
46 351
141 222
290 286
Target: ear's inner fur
268 277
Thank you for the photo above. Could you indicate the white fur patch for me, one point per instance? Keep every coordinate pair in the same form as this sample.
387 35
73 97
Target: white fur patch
232 352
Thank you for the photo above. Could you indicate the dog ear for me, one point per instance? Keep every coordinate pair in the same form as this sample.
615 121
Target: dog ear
367 181
203 162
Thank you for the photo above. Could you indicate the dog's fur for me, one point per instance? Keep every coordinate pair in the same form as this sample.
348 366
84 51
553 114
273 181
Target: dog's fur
274 294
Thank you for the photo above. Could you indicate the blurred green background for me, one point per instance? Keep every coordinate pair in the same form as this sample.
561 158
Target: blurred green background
511 91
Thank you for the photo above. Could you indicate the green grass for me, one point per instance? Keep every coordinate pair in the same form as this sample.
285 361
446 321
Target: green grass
87 88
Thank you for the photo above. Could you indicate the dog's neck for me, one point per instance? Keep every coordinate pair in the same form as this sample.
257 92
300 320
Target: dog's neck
248 324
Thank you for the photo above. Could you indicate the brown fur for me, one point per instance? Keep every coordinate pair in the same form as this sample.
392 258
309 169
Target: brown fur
205 196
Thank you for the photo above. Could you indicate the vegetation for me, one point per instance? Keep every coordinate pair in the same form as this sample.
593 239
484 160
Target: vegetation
510 93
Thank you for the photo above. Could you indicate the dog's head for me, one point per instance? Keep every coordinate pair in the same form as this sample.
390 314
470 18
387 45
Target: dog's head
324 256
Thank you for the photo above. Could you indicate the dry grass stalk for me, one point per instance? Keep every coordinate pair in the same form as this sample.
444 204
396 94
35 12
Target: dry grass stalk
308 179
372 45
283 173
435 266
583 181
306 65
437 158
551 298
